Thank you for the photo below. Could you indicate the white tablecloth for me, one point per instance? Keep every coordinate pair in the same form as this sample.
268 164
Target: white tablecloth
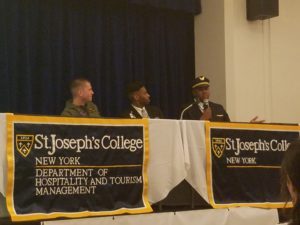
193 136
167 158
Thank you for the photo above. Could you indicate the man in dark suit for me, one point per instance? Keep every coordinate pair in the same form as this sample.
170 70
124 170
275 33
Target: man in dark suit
202 108
140 100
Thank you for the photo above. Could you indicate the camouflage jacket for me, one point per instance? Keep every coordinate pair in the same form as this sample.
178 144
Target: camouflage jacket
88 110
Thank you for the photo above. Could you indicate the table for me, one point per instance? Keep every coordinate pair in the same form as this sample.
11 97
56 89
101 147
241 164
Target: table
177 151
168 160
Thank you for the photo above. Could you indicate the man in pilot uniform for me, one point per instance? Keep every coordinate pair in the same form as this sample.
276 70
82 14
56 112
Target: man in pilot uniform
202 108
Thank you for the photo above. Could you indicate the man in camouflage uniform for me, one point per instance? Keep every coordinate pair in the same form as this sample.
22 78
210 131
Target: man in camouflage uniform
81 104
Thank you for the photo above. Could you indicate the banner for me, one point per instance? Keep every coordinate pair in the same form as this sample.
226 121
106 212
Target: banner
243 163
76 167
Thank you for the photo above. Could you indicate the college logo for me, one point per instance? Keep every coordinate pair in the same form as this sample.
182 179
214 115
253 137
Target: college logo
218 146
24 143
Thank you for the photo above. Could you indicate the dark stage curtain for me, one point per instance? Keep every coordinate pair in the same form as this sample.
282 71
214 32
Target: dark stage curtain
191 6
46 43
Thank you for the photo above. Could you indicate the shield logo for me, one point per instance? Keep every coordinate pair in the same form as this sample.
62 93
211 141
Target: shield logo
24 143
218 146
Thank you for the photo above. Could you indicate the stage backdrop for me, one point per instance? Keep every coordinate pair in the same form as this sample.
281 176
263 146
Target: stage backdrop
45 44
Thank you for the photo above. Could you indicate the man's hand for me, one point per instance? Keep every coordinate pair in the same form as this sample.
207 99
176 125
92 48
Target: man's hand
207 114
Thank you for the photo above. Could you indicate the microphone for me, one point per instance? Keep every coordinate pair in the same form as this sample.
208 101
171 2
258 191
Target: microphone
205 104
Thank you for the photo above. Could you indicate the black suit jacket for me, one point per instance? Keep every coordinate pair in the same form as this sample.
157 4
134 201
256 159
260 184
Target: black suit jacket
153 112
192 112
